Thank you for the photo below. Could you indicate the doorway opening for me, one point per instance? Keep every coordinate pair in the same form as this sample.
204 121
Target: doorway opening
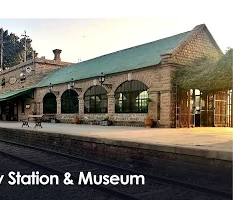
9 111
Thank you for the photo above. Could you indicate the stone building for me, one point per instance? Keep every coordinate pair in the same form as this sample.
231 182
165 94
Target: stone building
124 86
18 82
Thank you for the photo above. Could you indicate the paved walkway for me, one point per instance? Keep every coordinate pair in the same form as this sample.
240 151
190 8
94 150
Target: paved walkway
211 139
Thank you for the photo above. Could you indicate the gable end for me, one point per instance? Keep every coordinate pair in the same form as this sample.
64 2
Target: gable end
199 43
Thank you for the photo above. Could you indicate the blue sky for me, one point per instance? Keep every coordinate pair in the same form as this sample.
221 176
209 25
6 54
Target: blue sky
82 39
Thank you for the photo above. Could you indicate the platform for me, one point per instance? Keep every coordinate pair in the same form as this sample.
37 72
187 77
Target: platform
211 142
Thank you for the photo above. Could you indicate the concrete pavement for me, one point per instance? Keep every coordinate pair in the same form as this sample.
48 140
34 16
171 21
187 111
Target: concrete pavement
210 142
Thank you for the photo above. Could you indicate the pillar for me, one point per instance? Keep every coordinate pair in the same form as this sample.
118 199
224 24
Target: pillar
111 104
33 107
153 106
81 105
40 107
58 101
165 108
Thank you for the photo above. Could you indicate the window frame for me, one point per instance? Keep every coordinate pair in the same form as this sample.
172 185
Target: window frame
90 98
74 103
127 97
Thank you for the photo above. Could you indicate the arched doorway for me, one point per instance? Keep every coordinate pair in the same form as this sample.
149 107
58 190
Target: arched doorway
69 102
49 104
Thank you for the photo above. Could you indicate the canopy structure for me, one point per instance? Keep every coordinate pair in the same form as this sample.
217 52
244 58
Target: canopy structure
8 95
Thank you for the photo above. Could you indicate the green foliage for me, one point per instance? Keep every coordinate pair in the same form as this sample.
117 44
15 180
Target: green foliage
13 49
207 75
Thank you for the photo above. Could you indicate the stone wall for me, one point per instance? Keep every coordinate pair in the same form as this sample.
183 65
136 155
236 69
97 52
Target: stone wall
199 44
146 155
155 77
149 76
34 71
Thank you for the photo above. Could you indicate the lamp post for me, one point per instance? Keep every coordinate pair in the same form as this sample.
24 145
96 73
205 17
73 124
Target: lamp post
101 80
50 87
71 84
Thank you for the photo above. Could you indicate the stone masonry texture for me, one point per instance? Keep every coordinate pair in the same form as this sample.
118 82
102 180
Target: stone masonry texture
158 78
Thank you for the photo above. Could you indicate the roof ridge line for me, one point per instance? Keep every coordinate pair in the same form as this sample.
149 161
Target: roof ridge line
197 29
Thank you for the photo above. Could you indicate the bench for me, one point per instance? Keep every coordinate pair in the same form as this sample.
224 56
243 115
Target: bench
25 123
37 119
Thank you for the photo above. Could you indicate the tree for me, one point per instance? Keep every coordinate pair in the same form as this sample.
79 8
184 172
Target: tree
13 49
207 75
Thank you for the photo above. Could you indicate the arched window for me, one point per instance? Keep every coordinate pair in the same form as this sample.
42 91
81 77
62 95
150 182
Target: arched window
49 104
131 97
3 82
95 100
69 102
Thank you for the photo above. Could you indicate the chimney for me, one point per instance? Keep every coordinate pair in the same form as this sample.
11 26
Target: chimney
57 54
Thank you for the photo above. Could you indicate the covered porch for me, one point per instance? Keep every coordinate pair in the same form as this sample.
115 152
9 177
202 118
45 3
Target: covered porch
203 93
195 108
16 103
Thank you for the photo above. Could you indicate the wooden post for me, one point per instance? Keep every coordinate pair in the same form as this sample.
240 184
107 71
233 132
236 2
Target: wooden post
189 109
231 108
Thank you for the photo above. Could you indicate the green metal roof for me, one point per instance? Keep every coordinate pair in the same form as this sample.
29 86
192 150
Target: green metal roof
124 60
14 93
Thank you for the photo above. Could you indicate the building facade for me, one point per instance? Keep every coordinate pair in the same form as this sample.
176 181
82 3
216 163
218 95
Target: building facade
17 83
123 86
